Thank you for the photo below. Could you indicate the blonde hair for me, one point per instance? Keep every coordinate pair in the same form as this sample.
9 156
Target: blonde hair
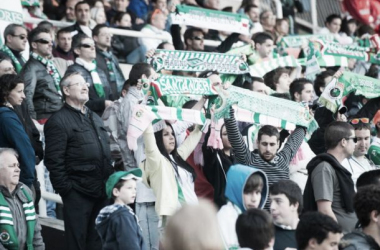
193 227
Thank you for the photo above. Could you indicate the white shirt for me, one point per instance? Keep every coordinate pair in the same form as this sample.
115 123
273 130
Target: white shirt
357 166
151 43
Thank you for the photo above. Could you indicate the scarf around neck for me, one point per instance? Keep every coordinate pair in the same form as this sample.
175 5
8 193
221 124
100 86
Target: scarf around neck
51 69
14 59
111 67
91 67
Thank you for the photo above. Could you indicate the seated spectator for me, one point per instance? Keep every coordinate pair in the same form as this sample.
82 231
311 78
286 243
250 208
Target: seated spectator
263 45
301 90
156 26
15 39
317 231
117 224
254 229
106 61
98 15
140 8
333 23
126 49
268 21
41 77
253 12
201 231
83 23
19 226
246 188
367 209
256 85
279 80
281 29
285 206
70 11
12 132
358 163
118 7
194 39
329 188
99 89
63 49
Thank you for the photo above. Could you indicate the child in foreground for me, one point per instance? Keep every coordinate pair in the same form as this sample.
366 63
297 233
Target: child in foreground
246 188
116 224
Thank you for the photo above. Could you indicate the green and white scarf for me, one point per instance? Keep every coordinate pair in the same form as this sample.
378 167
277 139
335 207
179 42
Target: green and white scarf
30 3
51 69
91 67
8 236
110 65
198 62
327 61
299 41
349 82
7 51
211 19
260 69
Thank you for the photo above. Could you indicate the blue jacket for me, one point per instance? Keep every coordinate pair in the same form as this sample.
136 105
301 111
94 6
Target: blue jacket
13 135
237 177
118 229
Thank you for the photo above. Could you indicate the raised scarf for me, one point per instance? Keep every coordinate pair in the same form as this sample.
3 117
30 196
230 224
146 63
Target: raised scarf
9 52
51 69
8 236
91 67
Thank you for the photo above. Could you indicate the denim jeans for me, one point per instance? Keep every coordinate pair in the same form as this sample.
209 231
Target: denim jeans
50 205
137 55
148 221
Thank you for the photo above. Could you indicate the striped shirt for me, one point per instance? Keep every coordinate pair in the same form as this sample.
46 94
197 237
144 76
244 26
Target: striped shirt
278 168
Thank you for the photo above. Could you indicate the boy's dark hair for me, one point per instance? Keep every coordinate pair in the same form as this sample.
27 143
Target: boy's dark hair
335 132
254 229
254 182
319 81
261 37
77 41
81 3
291 190
35 32
297 86
189 33
137 71
189 104
373 71
368 178
118 185
249 7
272 77
331 18
315 225
366 200
365 29
119 16
126 86
249 84
268 130
97 28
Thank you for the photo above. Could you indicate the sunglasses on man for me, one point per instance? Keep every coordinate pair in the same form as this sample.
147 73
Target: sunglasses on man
198 38
43 41
22 37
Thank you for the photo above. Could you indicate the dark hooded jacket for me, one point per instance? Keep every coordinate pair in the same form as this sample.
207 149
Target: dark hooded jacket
357 240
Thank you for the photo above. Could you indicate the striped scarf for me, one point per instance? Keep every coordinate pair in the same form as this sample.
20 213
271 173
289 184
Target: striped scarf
14 59
8 236
51 69
91 67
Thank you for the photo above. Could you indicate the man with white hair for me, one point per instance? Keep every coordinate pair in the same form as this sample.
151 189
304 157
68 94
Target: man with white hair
19 226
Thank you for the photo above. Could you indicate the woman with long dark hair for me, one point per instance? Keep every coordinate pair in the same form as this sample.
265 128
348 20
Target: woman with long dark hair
166 170
12 132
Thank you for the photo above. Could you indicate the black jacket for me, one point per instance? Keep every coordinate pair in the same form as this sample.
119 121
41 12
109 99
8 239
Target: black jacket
41 93
101 63
123 45
95 103
120 230
75 27
77 152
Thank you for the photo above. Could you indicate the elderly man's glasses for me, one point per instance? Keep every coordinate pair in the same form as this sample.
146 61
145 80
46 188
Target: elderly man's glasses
80 84
22 37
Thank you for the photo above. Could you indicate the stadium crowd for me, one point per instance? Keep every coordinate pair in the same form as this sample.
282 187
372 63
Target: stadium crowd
281 152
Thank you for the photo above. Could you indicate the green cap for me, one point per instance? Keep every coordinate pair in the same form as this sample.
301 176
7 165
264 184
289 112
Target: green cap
374 153
135 173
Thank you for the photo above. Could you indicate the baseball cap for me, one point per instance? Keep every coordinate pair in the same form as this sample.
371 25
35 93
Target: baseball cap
135 173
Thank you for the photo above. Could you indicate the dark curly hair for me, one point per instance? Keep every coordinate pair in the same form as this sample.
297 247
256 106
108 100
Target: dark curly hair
7 83
366 200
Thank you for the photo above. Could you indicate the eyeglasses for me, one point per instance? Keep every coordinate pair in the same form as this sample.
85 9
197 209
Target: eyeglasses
353 138
198 38
357 120
80 84
87 46
22 37
43 41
